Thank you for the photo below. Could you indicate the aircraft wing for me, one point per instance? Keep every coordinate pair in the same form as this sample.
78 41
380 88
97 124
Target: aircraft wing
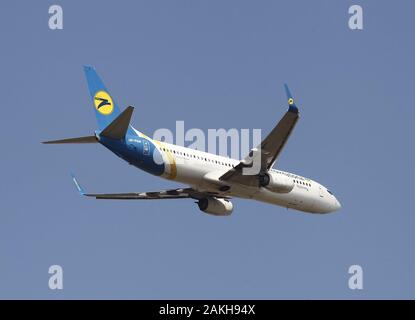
268 150
181 193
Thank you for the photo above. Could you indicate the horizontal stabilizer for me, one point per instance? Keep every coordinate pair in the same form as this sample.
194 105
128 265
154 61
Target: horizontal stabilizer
87 139
117 129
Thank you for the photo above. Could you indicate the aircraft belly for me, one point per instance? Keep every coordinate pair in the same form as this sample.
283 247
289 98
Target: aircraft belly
297 199
189 172
205 178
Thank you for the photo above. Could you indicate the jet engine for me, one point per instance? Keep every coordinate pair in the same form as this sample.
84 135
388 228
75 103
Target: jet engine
215 206
276 182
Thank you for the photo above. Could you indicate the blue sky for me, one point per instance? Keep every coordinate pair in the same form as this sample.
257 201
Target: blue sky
212 64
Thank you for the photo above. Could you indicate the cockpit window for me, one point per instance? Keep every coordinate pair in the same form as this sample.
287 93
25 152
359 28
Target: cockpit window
329 192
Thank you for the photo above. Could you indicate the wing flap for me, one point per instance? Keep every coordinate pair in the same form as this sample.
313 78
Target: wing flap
155 195
181 193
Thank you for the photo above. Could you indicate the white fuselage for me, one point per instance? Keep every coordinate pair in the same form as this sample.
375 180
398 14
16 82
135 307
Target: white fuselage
202 170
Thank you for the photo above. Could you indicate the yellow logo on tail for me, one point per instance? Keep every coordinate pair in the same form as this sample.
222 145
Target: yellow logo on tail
103 102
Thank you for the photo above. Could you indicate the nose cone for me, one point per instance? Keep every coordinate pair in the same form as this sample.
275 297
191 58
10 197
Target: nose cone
336 205
328 205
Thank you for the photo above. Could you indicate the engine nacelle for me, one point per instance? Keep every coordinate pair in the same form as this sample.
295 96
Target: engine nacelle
276 182
215 206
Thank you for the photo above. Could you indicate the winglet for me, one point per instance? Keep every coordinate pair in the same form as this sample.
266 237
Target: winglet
291 104
77 185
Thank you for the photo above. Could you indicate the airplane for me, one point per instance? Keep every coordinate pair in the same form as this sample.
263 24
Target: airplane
211 180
